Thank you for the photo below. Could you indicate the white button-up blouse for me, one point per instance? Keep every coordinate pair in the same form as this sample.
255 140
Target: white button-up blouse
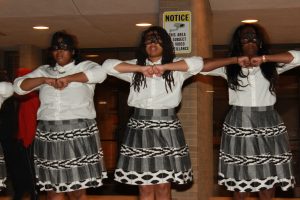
256 93
73 102
155 96
6 90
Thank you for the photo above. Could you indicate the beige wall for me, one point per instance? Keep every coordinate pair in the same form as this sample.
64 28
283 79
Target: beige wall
30 56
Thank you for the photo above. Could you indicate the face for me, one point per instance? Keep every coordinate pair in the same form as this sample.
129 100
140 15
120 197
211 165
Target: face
153 45
249 41
62 57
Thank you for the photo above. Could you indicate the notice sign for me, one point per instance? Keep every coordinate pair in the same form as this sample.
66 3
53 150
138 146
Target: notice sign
178 25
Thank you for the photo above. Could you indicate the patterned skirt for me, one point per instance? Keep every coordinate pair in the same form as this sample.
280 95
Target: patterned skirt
68 155
154 150
254 153
3 174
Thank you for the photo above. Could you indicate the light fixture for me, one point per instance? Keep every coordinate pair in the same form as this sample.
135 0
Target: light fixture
41 27
92 56
143 24
249 21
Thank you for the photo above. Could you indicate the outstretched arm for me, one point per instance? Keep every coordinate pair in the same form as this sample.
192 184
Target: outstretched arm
29 84
285 57
214 63
63 82
181 65
132 68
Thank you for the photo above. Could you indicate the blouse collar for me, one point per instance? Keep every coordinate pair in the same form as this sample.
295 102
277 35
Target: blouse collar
149 62
63 69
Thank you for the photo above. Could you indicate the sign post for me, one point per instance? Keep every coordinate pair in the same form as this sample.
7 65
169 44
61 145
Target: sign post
178 25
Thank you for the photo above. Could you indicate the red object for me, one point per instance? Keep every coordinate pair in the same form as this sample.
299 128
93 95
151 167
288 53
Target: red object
28 106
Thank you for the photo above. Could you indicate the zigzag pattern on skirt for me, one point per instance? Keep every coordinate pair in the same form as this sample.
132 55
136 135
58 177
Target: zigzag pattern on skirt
243 132
154 124
255 185
255 160
69 187
150 178
67 135
71 163
154 151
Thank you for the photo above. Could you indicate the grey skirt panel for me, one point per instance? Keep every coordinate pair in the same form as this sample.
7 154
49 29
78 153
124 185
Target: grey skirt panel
255 153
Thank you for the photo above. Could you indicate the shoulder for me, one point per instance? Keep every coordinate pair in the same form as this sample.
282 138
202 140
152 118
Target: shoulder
44 68
133 61
87 64
177 59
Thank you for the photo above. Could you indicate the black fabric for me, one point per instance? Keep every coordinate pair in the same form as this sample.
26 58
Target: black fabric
18 159
9 119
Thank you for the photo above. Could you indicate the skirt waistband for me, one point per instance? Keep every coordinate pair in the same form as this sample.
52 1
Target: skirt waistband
260 108
66 122
154 112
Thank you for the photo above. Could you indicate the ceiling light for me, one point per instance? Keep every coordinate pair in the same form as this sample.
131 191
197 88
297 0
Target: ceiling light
249 21
40 27
143 24
92 56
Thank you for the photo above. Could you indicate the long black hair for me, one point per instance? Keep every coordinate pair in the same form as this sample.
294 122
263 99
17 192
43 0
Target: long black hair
167 57
268 69
60 38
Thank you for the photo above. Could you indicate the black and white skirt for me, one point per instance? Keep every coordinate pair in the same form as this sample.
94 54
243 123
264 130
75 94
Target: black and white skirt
68 155
254 153
3 174
154 150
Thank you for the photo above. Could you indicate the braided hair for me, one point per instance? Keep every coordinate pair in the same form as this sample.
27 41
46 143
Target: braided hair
139 80
234 70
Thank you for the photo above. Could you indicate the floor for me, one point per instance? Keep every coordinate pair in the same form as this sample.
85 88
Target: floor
93 197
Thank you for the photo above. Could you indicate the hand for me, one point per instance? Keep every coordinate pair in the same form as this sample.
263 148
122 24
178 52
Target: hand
62 83
243 61
256 61
50 81
147 71
158 70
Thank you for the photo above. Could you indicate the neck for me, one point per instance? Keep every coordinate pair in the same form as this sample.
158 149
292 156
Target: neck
154 59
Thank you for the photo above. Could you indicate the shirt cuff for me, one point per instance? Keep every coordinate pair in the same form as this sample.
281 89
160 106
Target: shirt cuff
195 64
296 55
110 64
95 75
17 87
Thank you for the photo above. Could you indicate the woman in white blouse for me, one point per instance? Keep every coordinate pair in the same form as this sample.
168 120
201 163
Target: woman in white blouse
6 90
67 151
254 154
154 152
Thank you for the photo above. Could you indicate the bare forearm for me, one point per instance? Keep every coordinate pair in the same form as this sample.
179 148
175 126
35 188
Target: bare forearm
176 66
78 77
279 58
211 63
127 68
31 83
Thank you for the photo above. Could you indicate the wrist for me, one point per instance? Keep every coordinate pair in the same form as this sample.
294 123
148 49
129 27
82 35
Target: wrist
139 69
43 80
69 79
167 67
